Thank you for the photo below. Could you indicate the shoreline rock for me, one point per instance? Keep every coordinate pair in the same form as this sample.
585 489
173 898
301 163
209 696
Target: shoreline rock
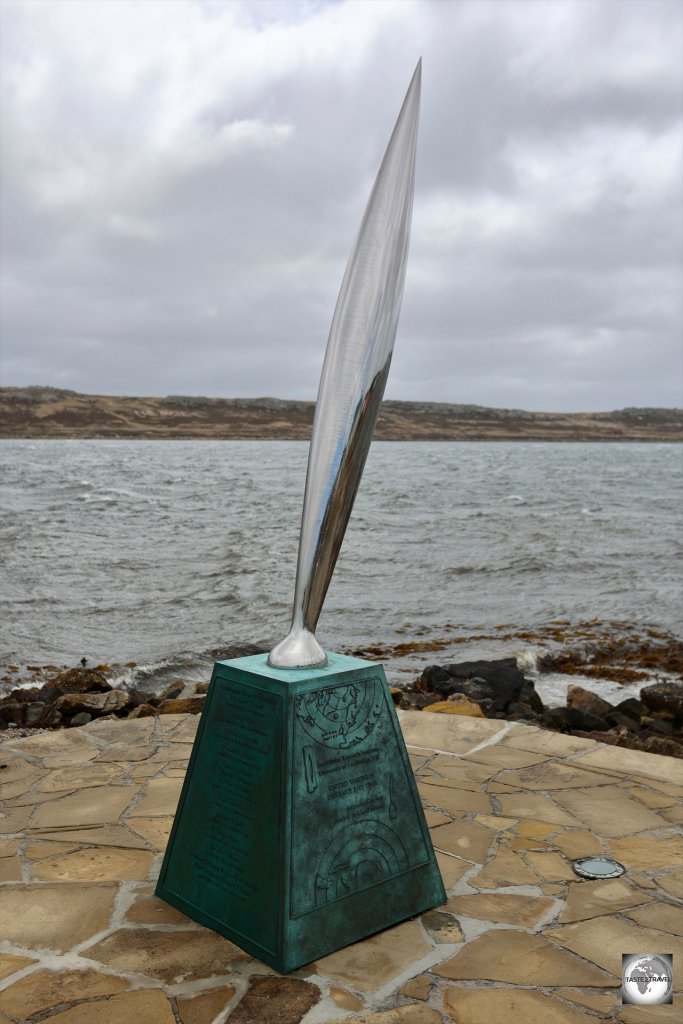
499 689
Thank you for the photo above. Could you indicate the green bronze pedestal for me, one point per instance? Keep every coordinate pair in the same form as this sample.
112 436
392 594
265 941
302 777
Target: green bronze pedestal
299 828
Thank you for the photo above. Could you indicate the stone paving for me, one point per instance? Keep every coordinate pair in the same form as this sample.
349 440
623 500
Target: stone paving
83 940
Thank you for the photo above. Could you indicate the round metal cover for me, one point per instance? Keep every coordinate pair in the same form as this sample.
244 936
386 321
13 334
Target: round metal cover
598 867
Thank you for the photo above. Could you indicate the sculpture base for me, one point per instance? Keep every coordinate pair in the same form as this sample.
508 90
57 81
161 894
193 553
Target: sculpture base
299 828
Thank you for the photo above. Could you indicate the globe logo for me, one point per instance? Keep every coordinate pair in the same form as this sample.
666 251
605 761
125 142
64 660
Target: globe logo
647 978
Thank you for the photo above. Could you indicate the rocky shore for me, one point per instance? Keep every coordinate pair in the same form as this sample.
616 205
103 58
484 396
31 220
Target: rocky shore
497 689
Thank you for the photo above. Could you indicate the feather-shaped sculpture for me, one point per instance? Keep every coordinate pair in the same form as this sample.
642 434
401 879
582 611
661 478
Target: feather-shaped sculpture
352 382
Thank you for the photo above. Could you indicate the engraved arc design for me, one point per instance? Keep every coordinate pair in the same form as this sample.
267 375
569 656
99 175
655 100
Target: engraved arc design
341 717
352 382
362 854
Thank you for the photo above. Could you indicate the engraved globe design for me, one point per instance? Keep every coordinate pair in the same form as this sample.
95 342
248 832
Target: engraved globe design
647 979
341 716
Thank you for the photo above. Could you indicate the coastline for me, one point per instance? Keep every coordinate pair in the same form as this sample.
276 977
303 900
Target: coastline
37 698
52 413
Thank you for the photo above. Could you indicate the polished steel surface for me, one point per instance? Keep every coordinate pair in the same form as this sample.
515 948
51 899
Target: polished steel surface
352 382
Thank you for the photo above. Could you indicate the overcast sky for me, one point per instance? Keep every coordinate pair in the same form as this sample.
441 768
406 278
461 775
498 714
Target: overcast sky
182 181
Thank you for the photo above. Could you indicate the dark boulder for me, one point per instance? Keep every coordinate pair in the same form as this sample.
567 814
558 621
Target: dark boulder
666 697
499 681
586 700
569 719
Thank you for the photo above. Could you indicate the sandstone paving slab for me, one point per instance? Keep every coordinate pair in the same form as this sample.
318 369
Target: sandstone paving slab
603 1002
486 1006
664 917
575 843
14 767
674 814
105 835
536 829
636 762
44 990
170 956
535 806
525 911
55 915
11 790
150 1006
434 818
79 777
645 1014
96 865
371 964
204 1008
160 799
454 733
505 868
552 775
652 798
415 1014
125 753
499 756
10 964
58 749
186 730
14 819
496 821
609 811
466 839
148 909
40 850
154 830
509 955
275 1000
135 732
602 940
462 772
33 798
8 847
649 852
418 988
527 737
101 805
523 844
587 899
344 1000
454 801
658 783
672 883
10 870
142 770
551 867
452 868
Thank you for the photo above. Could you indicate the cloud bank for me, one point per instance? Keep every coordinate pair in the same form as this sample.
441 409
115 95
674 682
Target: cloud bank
182 182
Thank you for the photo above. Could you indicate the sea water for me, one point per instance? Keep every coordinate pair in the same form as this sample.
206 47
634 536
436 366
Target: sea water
160 551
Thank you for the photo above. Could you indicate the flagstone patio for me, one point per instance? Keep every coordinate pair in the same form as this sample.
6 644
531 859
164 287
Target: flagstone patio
83 940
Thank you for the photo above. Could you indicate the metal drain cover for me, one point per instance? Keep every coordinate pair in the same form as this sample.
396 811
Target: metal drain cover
598 867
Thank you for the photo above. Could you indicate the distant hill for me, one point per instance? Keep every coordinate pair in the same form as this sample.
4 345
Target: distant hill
53 413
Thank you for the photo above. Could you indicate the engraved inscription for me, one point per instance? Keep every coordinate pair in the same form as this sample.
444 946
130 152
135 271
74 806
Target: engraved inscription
354 829
232 855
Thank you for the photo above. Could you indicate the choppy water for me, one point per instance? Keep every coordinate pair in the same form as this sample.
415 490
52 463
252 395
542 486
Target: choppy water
145 551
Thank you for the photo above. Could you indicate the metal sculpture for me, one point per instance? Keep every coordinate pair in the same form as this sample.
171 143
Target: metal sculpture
352 382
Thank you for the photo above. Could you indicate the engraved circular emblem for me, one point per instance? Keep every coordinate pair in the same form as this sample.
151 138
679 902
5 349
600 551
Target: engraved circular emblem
361 855
341 716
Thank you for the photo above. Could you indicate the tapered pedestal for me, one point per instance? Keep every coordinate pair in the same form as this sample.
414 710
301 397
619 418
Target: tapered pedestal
299 828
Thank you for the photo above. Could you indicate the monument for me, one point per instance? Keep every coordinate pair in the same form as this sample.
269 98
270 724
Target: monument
299 828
